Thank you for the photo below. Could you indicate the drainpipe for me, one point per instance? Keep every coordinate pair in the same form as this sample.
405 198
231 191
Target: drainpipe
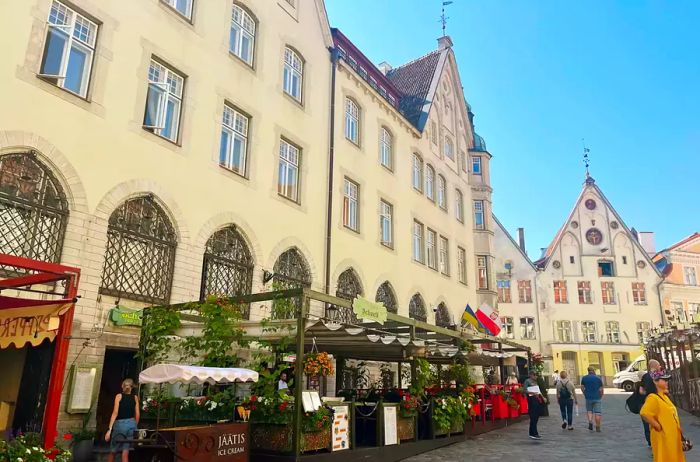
331 156
661 305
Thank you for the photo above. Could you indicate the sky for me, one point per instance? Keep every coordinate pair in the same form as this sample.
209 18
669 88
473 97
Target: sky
542 75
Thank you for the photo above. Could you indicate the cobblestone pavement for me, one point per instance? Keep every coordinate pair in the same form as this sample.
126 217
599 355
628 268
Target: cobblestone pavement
622 439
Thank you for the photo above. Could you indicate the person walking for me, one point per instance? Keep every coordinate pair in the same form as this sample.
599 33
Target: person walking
555 377
566 397
534 404
661 415
592 387
646 388
122 424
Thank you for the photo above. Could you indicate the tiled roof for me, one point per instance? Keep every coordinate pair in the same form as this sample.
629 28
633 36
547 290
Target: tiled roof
413 80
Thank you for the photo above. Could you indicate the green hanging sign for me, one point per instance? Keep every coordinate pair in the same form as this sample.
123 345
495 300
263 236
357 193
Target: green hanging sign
124 317
370 311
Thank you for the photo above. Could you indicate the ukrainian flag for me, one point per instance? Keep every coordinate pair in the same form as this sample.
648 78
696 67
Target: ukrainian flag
469 317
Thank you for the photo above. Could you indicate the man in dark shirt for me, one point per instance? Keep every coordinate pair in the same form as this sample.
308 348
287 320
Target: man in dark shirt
648 386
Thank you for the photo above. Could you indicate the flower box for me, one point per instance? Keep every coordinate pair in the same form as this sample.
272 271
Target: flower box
406 428
279 438
457 427
513 412
522 399
500 407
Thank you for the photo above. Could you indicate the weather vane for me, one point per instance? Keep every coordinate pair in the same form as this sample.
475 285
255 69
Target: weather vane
443 18
586 159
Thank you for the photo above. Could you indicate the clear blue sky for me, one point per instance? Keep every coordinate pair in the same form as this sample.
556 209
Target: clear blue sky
542 74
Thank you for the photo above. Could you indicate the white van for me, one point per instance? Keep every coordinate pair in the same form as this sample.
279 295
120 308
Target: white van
633 374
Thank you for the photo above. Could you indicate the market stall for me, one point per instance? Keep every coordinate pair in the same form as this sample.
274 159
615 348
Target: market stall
225 440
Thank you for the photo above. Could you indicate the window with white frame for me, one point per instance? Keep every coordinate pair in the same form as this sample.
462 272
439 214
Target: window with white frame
442 192
449 148
643 328
430 182
242 34
69 49
588 329
584 292
678 311
184 7
527 328
563 331
693 310
418 249
444 257
459 205
234 140
639 293
560 292
352 121
417 173
386 223
430 249
351 205
288 181
507 331
612 331
462 264
690 276
479 215
293 74
503 289
608 293
482 273
524 292
385 148
164 101
476 165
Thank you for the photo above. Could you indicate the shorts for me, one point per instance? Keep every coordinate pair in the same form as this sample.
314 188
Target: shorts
123 429
595 406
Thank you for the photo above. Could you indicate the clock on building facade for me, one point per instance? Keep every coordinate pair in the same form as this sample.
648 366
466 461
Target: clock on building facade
594 236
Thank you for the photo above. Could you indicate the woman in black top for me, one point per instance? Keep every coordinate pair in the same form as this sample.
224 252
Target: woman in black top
122 424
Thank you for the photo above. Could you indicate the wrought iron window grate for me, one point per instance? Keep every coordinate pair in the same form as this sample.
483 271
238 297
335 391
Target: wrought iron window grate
291 271
385 294
416 308
349 287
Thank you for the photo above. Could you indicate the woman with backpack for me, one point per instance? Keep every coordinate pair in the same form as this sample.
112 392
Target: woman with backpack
566 397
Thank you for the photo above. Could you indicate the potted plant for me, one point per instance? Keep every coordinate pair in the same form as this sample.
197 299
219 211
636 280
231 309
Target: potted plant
513 407
29 447
81 440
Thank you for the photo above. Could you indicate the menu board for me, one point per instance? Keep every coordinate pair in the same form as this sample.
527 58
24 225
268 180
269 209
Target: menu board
390 434
341 428
82 388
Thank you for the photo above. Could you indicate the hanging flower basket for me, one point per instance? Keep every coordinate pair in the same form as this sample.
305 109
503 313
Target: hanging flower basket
318 364
500 407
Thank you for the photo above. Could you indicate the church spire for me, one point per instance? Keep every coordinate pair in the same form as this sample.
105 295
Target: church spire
587 163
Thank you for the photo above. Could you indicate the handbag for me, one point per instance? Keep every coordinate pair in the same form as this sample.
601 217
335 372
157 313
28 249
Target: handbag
687 444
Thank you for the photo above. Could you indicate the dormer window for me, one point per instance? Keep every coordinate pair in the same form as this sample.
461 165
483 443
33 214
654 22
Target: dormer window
606 268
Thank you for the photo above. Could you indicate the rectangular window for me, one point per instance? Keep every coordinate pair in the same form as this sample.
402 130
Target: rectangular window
476 165
418 250
430 244
584 292
417 173
69 49
693 311
689 275
433 132
678 312
507 331
385 145
612 331
643 328
459 205
639 293
288 181
234 140
164 101
527 328
242 34
442 192
524 292
608 292
386 223
564 331
588 329
605 268
483 274
462 264
351 205
624 260
479 222
184 7
449 149
503 287
352 121
560 293
444 258
293 75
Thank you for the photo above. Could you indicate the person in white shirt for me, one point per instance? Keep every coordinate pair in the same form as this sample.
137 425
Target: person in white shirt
555 377
282 384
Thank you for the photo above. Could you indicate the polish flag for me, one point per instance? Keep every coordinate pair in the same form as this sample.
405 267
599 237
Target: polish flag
489 318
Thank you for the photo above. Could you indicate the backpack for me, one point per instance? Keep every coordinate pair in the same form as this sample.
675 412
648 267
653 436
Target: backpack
564 392
635 401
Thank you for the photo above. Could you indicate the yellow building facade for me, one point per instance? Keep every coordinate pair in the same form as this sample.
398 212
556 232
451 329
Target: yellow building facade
680 291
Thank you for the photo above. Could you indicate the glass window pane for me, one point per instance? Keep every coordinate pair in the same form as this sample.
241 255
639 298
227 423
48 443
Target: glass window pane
77 68
155 94
234 38
170 124
238 155
53 52
224 147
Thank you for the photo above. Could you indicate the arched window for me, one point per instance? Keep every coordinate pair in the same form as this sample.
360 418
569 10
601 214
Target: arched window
228 265
386 148
443 317
442 192
449 148
416 308
459 204
140 253
349 285
33 209
385 294
430 182
290 271
417 172
242 35
293 78
352 121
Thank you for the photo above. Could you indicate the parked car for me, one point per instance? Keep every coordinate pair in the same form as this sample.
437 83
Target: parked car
627 378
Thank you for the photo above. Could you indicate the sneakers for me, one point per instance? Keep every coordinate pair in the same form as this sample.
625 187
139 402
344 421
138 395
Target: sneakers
590 426
570 427
535 437
563 425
